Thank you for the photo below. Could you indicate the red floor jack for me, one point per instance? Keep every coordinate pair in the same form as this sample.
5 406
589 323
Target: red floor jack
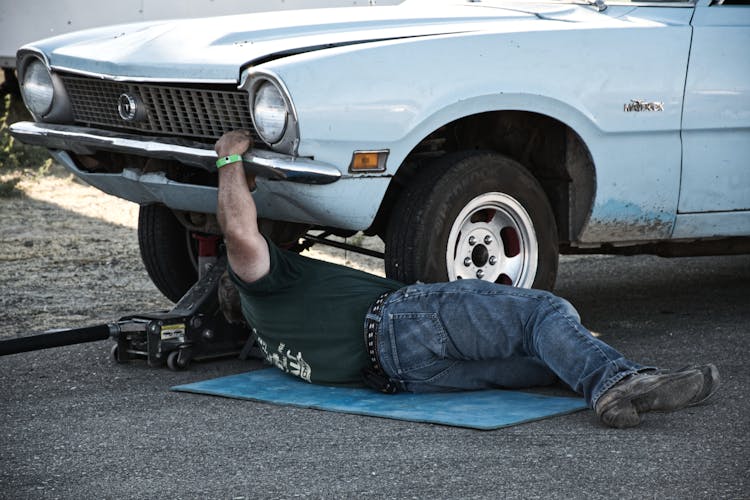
194 329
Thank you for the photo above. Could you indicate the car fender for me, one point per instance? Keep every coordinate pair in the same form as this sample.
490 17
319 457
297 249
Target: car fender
391 95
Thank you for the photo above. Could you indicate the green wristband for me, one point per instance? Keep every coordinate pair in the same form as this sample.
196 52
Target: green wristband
226 160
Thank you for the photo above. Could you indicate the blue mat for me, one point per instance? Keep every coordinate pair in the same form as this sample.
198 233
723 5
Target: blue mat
490 409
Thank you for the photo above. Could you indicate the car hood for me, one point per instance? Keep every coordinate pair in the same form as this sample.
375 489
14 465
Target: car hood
214 49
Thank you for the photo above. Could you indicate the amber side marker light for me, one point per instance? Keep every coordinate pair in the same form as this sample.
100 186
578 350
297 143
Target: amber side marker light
368 161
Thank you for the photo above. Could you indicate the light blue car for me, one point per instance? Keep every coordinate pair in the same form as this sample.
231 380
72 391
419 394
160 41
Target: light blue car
478 139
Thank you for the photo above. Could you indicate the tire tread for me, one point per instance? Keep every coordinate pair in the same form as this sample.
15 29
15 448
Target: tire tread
164 251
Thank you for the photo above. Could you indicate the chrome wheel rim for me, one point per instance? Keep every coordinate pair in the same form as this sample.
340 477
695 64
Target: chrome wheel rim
493 239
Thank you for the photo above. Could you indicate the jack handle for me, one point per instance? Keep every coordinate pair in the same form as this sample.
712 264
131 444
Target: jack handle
58 338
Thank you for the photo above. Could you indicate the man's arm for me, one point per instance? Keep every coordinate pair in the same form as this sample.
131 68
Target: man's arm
247 249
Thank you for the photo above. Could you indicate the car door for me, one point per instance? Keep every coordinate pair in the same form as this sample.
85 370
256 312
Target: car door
715 188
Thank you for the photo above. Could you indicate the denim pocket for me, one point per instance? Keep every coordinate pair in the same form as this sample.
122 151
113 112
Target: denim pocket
418 340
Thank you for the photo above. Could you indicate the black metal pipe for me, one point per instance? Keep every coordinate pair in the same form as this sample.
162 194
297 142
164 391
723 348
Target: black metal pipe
57 338
321 240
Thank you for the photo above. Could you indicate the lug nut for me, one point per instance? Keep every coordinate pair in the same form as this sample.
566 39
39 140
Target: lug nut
487 239
493 260
467 261
472 241
480 274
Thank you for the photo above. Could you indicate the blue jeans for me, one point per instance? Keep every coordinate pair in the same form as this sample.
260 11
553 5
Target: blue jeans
472 334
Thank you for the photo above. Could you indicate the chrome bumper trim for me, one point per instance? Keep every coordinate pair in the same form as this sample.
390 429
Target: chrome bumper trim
83 140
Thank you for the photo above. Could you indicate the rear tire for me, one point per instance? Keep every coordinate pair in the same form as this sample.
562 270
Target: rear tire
473 214
167 250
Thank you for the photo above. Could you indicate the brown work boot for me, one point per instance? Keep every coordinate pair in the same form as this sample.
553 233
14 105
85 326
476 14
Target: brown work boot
662 390
710 385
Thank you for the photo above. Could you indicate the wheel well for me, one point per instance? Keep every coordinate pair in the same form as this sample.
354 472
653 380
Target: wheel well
553 152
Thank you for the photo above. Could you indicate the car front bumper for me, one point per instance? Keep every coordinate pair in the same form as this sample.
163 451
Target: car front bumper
310 192
82 140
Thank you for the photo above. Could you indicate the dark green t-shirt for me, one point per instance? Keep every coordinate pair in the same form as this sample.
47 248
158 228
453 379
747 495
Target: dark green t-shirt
309 316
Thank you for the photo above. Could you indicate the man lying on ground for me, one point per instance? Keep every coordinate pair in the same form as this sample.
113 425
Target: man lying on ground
309 317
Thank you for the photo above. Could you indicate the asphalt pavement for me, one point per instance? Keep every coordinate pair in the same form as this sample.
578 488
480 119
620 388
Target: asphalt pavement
75 425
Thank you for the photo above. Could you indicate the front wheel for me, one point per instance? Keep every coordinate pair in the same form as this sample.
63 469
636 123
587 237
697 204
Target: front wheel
168 251
473 215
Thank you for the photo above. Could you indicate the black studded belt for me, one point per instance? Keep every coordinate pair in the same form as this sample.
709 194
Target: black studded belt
374 376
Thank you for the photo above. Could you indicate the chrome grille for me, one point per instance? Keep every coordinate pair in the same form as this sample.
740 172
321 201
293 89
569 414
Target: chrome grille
202 113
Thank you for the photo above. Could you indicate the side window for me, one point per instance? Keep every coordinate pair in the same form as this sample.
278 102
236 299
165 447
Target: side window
732 2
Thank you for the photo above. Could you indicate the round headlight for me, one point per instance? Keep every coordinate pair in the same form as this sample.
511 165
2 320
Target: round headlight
270 113
37 89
